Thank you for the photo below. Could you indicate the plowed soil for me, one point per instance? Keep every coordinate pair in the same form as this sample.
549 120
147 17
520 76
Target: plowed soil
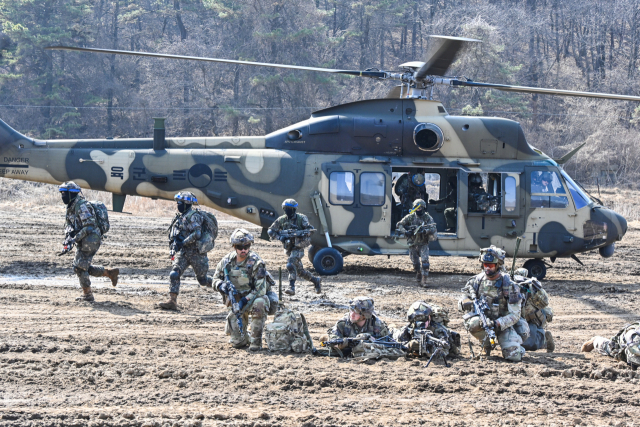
123 362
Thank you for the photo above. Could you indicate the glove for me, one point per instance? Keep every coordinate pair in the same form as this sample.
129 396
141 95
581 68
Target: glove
243 301
70 242
282 238
223 287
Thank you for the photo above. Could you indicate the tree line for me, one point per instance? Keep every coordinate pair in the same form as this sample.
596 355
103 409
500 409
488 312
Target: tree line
590 45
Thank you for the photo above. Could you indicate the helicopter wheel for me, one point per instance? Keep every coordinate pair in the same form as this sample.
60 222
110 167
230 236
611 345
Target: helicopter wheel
313 250
328 262
536 268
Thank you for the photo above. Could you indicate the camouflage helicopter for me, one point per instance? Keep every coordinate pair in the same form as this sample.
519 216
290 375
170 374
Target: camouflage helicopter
340 164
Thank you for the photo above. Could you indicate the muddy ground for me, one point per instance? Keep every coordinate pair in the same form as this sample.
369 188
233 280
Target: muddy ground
122 362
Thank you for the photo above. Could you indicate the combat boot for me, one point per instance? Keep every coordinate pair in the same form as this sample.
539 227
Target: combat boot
256 344
316 284
487 351
87 295
172 304
419 276
112 274
423 281
551 345
241 344
292 288
587 346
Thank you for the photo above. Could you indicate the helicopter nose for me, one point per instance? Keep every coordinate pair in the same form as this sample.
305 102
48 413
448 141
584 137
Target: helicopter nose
617 228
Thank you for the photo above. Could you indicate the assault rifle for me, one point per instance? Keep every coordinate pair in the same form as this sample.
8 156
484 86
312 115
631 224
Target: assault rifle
485 201
175 240
68 243
231 296
286 236
429 345
481 307
386 341
414 230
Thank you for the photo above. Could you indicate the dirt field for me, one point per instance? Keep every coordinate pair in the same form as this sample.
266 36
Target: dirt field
122 362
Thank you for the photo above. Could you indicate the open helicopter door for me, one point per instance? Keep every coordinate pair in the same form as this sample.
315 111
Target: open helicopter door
357 198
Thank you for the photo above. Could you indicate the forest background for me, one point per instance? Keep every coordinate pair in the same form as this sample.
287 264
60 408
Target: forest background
587 45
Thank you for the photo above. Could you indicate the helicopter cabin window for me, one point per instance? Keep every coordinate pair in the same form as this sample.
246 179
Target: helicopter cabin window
372 188
341 188
509 194
547 190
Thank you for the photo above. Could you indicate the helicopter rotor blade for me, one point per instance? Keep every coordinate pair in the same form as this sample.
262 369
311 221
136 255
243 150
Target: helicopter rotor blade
441 55
544 91
372 74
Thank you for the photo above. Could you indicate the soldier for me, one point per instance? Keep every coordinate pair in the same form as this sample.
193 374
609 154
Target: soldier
82 230
420 229
247 273
185 231
294 245
431 319
504 300
450 202
361 322
409 188
536 312
623 346
478 197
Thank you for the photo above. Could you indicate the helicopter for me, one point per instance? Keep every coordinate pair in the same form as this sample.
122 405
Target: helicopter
340 165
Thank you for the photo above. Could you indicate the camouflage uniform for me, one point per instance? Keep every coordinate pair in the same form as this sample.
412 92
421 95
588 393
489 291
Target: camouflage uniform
81 219
374 326
437 327
407 191
249 278
623 346
535 315
188 226
294 248
504 299
418 243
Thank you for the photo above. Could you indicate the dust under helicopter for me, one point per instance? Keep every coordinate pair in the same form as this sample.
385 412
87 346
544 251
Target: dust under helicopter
340 166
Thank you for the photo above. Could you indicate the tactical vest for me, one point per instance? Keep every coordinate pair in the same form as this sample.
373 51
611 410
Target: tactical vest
496 294
285 224
240 275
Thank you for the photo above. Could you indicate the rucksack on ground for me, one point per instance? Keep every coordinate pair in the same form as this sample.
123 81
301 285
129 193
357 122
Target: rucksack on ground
102 216
286 333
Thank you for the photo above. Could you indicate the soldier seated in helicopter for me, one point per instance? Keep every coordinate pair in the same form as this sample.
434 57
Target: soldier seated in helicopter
409 187
479 199
450 204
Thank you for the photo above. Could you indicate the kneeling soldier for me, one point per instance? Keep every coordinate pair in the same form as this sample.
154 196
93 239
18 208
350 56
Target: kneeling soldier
425 323
294 231
185 231
536 312
82 230
499 301
244 272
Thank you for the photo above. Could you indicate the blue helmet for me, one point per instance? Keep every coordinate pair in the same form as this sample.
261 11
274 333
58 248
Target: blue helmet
186 197
289 203
69 186
418 180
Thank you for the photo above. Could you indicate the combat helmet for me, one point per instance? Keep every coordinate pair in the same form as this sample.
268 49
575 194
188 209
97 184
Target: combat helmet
545 176
492 255
363 306
240 236
289 203
418 180
522 272
69 186
419 312
186 197
475 180
419 204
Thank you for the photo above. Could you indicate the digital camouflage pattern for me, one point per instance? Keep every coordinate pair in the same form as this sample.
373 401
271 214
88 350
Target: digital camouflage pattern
536 312
374 326
294 249
286 333
249 278
623 346
81 218
437 315
407 191
504 299
364 306
418 243
248 177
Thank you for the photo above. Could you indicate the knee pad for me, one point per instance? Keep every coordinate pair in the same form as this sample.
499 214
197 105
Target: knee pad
514 354
425 265
79 271
174 275
290 266
204 281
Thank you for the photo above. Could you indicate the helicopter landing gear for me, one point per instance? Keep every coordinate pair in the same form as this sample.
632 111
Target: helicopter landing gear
536 267
313 250
328 261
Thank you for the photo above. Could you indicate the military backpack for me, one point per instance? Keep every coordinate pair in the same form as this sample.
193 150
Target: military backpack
287 332
209 232
102 216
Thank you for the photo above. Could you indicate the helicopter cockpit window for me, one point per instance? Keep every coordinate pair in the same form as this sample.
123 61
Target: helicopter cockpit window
341 188
372 185
545 189
579 197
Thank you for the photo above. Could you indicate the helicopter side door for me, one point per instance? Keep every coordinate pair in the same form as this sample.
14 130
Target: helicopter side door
357 198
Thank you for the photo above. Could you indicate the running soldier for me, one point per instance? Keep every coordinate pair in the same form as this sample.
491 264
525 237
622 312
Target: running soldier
189 243
82 230
623 346
420 229
536 312
428 321
294 231
503 303
245 271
